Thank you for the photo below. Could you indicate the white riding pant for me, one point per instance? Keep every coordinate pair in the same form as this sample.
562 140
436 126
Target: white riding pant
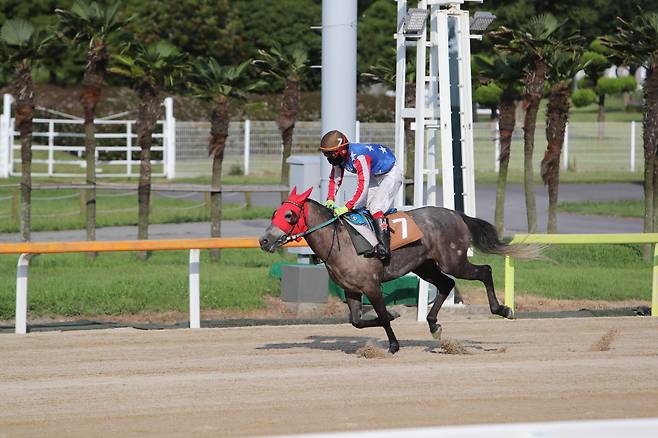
382 190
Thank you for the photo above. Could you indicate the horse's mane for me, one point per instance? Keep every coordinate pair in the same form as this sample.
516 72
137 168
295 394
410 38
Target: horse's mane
321 208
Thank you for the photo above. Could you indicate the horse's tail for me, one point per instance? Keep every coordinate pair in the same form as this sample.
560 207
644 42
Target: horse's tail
485 238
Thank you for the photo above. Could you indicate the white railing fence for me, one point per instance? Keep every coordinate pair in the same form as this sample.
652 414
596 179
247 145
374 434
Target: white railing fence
255 146
58 145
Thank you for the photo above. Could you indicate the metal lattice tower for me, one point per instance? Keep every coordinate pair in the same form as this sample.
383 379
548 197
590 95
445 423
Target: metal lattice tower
442 116
443 113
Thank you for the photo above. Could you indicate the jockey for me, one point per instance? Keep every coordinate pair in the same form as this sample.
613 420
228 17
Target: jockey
379 179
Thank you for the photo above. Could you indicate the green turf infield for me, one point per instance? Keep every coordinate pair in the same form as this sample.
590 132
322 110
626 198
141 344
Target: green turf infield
117 283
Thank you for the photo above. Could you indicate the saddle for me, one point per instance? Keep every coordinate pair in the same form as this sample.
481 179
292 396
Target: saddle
360 226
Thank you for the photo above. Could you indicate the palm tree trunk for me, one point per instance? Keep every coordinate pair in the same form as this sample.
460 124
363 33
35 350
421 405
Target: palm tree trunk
218 133
24 90
506 123
287 118
556 123
93 82
534 87
649 158
650 138
149 108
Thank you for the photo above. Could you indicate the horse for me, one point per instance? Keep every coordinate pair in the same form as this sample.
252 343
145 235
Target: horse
439 254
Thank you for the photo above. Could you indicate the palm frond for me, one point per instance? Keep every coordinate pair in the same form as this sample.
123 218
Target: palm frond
210 80
283 64
636 42
17 32
91 20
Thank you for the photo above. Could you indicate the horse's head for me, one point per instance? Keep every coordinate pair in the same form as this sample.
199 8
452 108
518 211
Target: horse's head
289 219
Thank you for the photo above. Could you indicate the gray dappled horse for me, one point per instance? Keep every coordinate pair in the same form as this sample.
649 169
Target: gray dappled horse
447 235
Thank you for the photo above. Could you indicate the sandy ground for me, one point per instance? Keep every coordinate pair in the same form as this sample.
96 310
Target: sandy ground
294 379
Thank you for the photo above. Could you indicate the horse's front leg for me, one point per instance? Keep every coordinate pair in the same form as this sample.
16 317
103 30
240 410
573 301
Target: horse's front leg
377 299
354 304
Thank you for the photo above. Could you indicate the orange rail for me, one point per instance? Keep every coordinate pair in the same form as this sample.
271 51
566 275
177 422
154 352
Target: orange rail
132 245
193 245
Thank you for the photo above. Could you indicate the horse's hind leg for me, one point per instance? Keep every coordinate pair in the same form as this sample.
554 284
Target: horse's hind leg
468 271
444 285
377 299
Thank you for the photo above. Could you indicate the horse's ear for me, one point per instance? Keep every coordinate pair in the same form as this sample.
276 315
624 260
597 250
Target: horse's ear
306 194
294 191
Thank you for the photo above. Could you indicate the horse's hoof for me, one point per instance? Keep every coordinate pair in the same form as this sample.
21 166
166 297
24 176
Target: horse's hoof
508 313
436 331
393 347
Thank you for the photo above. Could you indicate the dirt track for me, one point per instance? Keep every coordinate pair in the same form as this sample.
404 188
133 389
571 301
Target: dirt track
293 379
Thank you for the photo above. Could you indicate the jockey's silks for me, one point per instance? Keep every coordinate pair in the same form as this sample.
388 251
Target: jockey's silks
364 159
381 160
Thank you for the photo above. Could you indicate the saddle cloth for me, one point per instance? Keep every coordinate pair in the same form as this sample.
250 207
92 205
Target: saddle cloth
403 230
361 229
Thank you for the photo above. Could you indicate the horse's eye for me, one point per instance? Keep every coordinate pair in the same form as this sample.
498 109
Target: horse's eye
288 215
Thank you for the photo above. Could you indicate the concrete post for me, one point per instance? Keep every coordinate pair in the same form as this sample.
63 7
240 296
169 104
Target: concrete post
247 145
633 145
170 139
21 293
5 138
194 290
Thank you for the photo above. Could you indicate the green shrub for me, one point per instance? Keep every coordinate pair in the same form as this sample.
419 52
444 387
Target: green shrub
488 95
583 97
235 170
628 83
609 86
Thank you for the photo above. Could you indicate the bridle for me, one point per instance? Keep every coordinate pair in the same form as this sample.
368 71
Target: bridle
289 237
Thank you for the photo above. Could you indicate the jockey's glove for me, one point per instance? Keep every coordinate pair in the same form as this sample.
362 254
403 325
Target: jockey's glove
329 203
341 210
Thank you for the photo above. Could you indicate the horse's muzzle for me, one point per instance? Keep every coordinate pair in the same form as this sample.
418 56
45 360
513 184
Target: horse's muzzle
267 243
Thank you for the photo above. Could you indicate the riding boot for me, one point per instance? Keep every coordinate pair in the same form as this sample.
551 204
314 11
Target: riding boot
384 237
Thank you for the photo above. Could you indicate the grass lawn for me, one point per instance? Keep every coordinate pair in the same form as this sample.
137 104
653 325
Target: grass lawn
603 272
116 283
623 208
64 209
71 285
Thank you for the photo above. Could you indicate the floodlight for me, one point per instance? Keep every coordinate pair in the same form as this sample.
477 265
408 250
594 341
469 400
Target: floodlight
481 20
414 22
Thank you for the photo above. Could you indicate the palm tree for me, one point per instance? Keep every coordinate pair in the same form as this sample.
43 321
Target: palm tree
563 64
21 48
288 67
95 25
152 69
216 83
636 43
506 70
533 41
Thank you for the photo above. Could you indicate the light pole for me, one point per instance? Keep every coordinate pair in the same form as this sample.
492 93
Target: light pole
338 73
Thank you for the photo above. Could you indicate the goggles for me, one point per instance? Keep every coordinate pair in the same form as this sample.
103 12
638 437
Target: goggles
335 154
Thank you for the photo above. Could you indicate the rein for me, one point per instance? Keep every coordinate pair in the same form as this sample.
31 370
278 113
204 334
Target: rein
288 237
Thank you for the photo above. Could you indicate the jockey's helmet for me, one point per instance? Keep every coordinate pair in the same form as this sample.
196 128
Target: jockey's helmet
334 146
